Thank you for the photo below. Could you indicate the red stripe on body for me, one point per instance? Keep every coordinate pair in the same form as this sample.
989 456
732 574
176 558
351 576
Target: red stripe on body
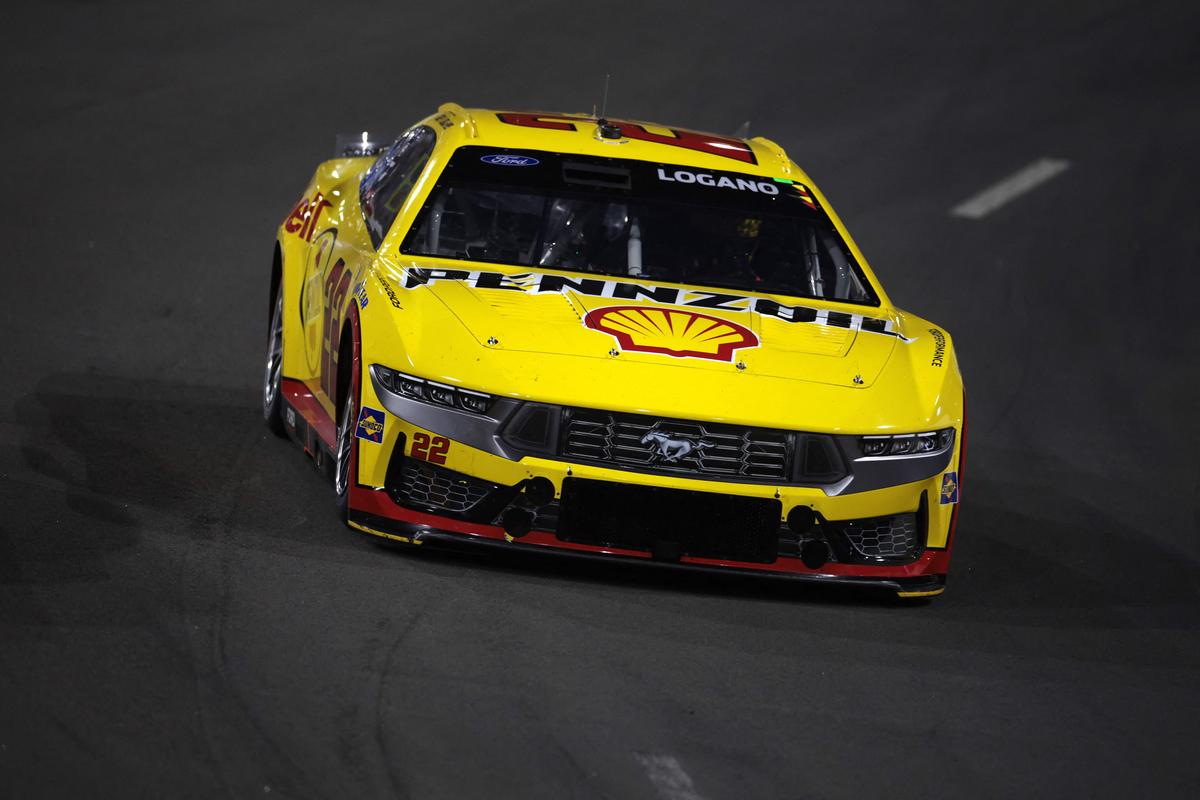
931 562
300 398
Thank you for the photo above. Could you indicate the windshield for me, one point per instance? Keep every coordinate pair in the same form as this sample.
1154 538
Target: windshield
638 219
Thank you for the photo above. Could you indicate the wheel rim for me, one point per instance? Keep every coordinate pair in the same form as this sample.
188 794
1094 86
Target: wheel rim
274 368
345 439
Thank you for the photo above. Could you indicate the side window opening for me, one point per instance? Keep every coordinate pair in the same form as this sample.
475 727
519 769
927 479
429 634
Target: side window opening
387 183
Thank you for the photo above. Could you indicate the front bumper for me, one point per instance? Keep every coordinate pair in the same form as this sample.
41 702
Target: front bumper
419 478
468 503
374 513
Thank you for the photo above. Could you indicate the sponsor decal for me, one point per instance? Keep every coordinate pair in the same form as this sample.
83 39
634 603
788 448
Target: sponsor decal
291 417
503 160
443 120
430 448
336 286
670 449
722 182
804 194
676 137
542 283
303 219
673 332
388 290
949 488
370 425
360 294
939 347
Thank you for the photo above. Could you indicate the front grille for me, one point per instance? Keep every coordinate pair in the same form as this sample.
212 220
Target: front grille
882 538
669 522
685 447
424 484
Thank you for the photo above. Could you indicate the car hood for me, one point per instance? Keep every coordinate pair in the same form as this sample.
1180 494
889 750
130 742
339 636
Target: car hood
673 326
557 339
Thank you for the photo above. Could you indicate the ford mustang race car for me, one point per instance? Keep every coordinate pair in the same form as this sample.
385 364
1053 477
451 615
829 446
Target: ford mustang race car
610 338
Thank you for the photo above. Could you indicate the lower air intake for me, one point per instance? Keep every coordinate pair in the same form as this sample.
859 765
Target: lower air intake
423 484
895 538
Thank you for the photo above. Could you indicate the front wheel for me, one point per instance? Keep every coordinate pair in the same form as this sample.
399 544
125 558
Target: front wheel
273 373
345 445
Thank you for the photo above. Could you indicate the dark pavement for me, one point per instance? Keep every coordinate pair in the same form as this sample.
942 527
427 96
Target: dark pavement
182 615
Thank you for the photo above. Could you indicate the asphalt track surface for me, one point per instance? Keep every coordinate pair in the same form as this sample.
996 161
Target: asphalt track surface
181 614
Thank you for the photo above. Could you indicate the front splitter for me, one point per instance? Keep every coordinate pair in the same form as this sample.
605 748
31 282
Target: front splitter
420 535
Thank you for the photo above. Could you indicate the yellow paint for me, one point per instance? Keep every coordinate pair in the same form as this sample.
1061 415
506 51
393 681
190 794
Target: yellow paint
373 532
799 376
928 593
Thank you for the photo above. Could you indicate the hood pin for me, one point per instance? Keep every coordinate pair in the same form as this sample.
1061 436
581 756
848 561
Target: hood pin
493 341
741 365
858 380
614 352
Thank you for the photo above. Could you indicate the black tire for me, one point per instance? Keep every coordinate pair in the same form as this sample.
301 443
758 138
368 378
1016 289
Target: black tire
272 402
345 445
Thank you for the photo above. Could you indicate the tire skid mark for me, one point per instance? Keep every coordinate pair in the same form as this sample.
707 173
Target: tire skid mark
395 781
668 777
231 495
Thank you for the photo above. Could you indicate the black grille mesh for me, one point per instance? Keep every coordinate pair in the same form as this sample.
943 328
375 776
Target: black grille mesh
427 485
883 537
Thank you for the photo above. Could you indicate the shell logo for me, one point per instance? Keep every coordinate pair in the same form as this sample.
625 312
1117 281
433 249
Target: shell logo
672 332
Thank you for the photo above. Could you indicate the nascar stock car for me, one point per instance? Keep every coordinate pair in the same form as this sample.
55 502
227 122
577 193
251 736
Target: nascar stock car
610 338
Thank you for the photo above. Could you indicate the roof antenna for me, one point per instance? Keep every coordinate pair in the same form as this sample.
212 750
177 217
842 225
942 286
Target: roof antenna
605 129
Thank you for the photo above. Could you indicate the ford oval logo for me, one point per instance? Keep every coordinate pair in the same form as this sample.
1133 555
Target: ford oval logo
510 161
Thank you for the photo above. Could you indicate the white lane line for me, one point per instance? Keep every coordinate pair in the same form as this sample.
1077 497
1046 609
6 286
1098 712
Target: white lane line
668 777
1010 188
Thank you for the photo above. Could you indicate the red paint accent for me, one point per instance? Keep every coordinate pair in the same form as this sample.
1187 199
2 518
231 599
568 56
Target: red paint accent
596 320
931 562
548 121
300 398
429 449
336 286
689 140
962 462
303 219
355 390
295 220
439 449
320 205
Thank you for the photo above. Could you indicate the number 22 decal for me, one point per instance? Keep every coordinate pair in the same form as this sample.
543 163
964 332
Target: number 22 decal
431 449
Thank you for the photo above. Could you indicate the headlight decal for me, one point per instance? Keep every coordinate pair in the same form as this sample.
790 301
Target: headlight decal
907 444
432 392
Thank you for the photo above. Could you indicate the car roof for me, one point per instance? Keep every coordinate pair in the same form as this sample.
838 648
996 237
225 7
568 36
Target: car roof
639 140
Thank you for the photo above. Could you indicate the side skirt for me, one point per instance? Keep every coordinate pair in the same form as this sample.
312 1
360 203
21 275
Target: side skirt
308 425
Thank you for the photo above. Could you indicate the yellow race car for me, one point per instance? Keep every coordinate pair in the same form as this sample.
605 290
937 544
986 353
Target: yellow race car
610 338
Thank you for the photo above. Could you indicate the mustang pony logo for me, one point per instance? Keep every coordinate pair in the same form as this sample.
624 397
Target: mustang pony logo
671 450
674 332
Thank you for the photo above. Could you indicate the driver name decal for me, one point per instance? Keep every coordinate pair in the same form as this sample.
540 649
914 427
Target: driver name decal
713 181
